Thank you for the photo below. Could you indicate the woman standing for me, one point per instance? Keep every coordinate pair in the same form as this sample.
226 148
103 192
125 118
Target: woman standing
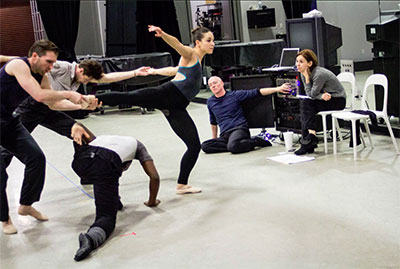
325 92
174 96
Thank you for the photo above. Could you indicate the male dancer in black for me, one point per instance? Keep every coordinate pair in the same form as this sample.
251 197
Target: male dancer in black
20 78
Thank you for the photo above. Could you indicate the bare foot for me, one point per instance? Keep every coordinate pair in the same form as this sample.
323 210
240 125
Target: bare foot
25 210
8 227
186 189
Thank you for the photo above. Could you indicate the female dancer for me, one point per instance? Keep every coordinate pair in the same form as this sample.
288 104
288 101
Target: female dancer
325 91
174 96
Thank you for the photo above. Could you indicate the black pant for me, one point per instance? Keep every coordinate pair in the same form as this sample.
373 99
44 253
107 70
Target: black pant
310 107
103 168
17 140
172 103
236 141
33 113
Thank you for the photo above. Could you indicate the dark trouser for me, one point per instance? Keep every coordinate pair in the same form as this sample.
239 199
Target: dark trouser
309 109
101 167
16 139
236 141
33 113
172 103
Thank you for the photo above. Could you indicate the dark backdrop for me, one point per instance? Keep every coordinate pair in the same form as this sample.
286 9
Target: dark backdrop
61 21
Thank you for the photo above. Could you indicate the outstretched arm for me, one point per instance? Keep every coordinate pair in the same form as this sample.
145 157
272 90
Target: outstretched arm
4 58
89 102
185 51
118 76
165 71
151 171
284 88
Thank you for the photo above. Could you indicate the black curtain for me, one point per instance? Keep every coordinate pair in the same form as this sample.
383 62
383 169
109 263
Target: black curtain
296 8
61 21
158 13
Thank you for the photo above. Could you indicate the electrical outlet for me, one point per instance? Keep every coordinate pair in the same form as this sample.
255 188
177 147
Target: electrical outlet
362 51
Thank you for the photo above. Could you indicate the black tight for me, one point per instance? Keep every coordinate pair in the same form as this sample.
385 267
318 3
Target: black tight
310 107
167 98
16 139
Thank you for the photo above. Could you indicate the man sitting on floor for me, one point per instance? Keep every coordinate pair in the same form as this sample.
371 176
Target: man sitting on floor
226 112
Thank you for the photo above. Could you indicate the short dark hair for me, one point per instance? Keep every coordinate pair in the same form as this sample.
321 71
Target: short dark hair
198 33
309 55
43 46
92 69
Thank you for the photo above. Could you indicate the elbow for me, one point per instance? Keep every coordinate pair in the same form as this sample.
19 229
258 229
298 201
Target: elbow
39 98
52 106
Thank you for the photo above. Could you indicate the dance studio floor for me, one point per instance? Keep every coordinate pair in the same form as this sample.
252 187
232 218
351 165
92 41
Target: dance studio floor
253 213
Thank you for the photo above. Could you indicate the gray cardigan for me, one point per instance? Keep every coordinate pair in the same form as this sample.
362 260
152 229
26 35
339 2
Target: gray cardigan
322 80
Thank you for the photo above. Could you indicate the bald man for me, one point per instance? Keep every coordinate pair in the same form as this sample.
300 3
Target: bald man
227 114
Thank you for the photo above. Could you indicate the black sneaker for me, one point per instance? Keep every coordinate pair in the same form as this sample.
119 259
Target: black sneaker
261 142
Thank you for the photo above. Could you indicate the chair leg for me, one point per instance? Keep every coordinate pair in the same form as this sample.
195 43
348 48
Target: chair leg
325 133
334 120
353 126
368 133
391 134
362 138
339 130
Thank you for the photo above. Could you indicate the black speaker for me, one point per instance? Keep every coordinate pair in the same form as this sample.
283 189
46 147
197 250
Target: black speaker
390 68
259 111
261 18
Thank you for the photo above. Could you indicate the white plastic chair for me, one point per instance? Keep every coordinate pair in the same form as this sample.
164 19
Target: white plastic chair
343 78
375 79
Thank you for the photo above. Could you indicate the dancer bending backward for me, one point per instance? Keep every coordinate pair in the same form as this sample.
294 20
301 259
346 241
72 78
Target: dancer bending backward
174 96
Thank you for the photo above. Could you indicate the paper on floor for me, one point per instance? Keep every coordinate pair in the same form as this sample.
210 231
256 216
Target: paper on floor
291 158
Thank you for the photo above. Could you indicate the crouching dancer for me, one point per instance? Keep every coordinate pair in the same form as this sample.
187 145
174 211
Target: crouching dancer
101 161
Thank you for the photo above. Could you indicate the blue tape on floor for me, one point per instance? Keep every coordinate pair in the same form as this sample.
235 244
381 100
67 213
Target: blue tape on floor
73 183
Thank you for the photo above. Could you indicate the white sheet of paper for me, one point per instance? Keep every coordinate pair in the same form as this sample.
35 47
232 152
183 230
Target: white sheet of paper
291 158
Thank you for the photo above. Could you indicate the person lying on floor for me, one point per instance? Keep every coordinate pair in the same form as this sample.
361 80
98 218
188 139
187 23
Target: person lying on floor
101 161
226 112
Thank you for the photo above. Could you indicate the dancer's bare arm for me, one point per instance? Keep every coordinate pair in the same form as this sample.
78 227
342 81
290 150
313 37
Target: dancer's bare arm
185 51
118 76
151 171
4 58
165 71
21 71
66 105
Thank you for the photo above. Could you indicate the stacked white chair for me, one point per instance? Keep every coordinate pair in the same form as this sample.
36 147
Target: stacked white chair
375 79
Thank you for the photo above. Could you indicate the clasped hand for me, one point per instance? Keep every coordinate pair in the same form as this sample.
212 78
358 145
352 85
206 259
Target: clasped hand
90 102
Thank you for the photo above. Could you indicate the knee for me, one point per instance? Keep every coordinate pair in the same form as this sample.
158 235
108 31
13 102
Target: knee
235 148
37 157
195 148
205 147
